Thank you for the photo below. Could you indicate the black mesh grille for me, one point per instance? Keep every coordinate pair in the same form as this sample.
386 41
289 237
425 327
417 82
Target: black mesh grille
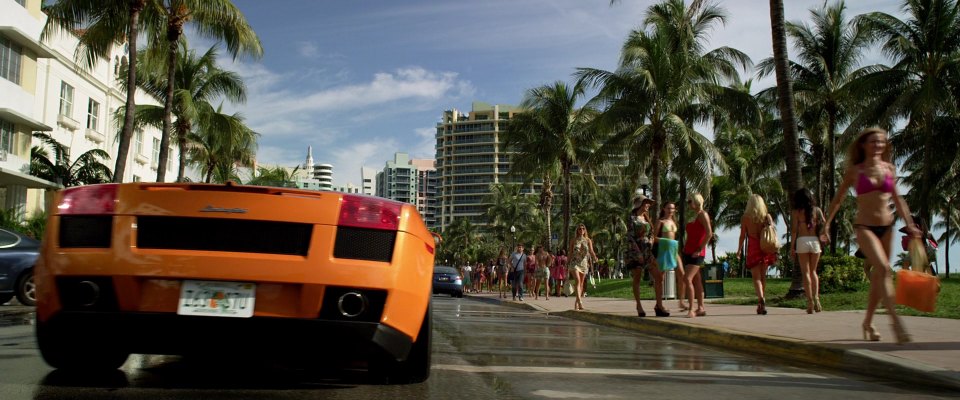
214 234
86 231
364 244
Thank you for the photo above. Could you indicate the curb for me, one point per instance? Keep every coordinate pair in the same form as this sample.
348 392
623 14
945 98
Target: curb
863 362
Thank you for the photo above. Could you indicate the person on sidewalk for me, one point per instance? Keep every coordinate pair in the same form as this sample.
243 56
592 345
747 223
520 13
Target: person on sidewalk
870 172
639 254
530 268
503 271
754 219
805 244
542 276
559 273
581 256
518 262
698 232
666 247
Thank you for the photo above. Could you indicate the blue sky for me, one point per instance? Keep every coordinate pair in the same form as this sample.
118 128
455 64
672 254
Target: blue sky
360 80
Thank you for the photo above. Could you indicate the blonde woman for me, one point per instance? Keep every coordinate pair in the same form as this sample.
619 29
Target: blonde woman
698 232
581 256
754 219
870 172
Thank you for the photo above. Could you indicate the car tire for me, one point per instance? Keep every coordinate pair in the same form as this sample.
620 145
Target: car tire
27 289
4 298
71 349
459 295
416 367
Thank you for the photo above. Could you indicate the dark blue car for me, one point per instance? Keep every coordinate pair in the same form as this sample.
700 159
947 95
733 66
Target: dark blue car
447 280
18 254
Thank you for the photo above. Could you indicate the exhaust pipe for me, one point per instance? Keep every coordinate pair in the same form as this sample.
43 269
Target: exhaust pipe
352 304
88 293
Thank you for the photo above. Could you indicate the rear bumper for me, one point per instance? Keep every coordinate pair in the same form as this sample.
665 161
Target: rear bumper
447 287
166 333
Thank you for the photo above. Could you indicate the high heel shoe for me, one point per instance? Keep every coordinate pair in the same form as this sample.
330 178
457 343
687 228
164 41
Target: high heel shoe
641 313
816 305
901 334
810 306
870 333
762 308
661 312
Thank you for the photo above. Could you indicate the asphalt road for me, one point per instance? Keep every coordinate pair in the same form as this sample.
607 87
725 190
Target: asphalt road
481 351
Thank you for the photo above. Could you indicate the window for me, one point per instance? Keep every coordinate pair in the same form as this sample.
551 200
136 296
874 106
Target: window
6 136
10 57
66 99
155 158
93 114
138 142
136 178
22 3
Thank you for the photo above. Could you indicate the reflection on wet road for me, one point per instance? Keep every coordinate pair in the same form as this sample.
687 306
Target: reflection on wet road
480 351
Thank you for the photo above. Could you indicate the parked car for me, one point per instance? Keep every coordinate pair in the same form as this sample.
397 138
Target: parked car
447 280
18 254
243 270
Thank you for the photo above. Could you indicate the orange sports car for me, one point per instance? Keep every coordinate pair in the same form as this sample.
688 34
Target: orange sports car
230 269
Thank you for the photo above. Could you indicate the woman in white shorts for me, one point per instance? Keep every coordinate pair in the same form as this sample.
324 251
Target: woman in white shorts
807 223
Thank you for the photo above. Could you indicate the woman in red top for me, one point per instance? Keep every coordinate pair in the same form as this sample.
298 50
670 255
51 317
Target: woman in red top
559 272
698 232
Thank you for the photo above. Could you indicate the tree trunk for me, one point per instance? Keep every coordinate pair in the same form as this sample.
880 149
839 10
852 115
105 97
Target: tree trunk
785 103
183 129
126 133
832 173
174 31
546 203
567 199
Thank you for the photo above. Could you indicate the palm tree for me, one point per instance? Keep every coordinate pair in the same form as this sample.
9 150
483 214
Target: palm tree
85 170
198 83
791 144
828 56
921 86
666 83
104 23
276 176
551 137
508 207
220 142
215 19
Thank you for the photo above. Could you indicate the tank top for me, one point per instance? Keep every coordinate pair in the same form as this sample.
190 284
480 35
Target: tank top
696 232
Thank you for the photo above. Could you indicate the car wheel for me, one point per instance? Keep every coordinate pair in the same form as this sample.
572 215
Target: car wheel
27 289
459 295
71 349
414 369
4 298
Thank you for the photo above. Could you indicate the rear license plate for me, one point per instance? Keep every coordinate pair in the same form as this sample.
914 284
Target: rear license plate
217 299
443 279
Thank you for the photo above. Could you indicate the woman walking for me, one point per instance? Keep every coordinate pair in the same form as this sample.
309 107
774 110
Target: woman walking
873 176
666 247
559 273
581 256
698 232
639 254
754 219
503 267
542 277
807 223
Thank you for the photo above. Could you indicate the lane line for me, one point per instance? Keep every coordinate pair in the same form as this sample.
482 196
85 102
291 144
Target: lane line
623 372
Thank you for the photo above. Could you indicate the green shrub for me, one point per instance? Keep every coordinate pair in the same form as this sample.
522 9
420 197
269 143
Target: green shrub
735 269
841 274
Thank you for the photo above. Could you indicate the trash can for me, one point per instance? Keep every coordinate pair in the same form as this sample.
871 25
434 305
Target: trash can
712 276
670 284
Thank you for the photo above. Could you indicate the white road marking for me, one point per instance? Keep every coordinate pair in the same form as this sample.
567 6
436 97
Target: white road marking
622 372
555 394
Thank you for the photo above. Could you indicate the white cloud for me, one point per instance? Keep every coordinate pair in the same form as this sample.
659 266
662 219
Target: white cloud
347 161
307 49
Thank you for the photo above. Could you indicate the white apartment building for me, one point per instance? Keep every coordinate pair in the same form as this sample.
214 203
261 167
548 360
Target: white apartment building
54 94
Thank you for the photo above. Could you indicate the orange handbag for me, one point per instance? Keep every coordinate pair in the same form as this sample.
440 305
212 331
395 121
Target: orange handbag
917 288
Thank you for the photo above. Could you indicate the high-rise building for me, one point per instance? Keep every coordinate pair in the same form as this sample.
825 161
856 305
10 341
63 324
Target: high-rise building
469 159
427 202
398 180
368 179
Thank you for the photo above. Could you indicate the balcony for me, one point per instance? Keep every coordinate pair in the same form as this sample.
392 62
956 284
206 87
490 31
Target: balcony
67 122
141 159
94 136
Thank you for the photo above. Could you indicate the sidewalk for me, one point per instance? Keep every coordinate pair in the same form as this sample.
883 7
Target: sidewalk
832 339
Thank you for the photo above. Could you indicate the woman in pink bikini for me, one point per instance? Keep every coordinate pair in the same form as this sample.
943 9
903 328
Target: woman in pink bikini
872 175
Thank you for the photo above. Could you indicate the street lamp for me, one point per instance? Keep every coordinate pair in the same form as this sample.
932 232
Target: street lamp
644 182
513 234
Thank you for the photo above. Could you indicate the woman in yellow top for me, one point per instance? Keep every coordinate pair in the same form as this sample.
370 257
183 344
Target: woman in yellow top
581 256
667 248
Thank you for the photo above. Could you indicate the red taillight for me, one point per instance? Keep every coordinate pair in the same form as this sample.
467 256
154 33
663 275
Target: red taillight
89 200
429 248
369 212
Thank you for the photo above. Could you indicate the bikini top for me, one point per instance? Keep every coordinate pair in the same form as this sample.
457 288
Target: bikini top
668 228
864 185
